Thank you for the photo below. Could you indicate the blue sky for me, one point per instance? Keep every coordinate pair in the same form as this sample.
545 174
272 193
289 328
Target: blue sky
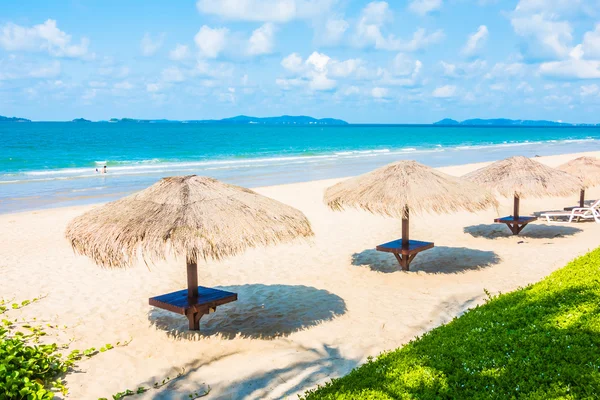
407 61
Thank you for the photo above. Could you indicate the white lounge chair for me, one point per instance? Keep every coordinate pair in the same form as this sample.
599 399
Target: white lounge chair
577 214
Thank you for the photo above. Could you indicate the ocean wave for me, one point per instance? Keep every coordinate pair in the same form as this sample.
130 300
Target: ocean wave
157 166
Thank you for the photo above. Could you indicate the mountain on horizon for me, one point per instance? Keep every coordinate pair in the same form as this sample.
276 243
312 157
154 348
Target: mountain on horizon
13 119
243 120
504 122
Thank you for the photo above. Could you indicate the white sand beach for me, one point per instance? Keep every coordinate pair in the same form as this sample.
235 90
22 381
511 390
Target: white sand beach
307 311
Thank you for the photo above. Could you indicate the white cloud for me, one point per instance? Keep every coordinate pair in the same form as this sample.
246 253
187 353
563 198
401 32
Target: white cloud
262 40
334 31
44 37
172 74
404 71
591 42
524 87
444 91
292 63
211 42
265 10
562 7
372 19
318 61
545 37
423 7
476 41
464 70
320 81
571 68
371 23
180 52
449 69
379 92
16 68
420 40
589 90
317 71
343 69
404 65
149 46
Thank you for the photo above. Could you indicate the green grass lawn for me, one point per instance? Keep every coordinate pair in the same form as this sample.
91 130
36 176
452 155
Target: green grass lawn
539 342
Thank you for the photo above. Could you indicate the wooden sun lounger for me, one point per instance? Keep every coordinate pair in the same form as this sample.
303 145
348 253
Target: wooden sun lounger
404 254
193 308
517 225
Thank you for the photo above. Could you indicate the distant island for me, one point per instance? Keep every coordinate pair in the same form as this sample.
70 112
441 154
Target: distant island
504 122
242 120
305 120
239 120
13 119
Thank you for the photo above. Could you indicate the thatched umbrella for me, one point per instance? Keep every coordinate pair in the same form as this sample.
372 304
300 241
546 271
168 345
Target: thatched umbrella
403 188
191 216
585 168
522 177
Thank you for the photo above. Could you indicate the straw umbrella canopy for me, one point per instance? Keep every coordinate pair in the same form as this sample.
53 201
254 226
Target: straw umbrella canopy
522 177
585 168
199 217
408 187
191 216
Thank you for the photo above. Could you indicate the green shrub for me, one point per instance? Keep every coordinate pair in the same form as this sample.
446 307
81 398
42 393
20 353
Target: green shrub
30 369
539 342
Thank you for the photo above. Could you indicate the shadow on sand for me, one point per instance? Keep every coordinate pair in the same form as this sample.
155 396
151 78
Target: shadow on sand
261 312
533 231
440 259
313 365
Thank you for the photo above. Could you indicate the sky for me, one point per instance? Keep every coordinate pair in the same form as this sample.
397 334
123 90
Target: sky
405 61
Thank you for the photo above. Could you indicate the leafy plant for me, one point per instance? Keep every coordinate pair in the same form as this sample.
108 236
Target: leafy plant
538 342
30 369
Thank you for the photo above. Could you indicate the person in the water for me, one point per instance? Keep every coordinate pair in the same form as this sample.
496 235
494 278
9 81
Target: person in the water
104 170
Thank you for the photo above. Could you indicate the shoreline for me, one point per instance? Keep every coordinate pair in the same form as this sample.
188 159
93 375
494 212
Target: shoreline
306 311
87 201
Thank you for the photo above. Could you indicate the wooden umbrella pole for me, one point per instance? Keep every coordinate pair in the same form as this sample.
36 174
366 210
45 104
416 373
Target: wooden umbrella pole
192 314
192 279
405 230
582 198
516 209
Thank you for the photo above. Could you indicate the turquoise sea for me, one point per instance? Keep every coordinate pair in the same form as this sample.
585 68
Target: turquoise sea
49 164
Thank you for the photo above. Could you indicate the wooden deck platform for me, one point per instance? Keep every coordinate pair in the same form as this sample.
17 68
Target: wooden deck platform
207 301
405 254
516 226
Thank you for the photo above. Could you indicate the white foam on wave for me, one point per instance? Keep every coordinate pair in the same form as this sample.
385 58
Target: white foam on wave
157 166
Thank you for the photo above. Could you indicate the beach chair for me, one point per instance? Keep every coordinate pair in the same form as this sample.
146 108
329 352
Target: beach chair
576 213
